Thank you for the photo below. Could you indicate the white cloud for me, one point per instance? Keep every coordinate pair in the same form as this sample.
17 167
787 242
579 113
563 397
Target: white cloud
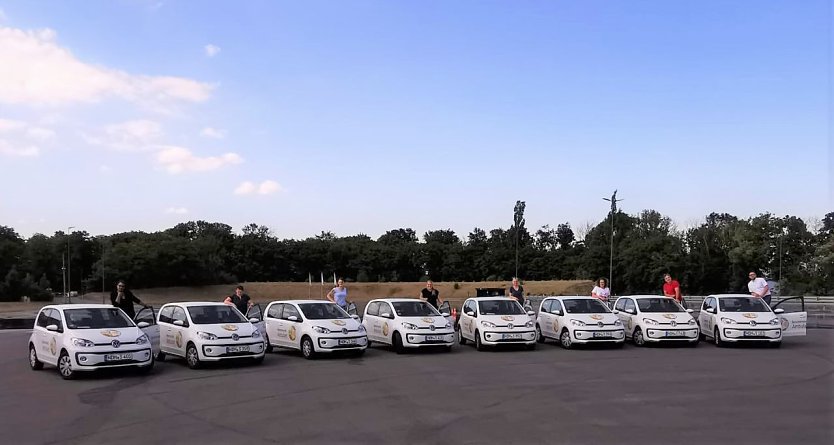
213 133
267 187
211 50
38 71
105 169
135 135
21 139
177 210
178 160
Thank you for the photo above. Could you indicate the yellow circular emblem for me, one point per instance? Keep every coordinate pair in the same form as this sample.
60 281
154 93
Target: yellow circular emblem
338 322
385 329
785 324
229 327
596 317
110 333
669 316
178 339
749 315
428 320
53 346
291 333
508 318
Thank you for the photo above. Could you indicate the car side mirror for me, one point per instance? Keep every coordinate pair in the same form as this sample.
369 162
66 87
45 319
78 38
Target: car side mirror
254 320
354 316
711 310
445 314
292 318
179 323
558 312
470 313
543 311
689 311
531 313
386 315
631 311
52 328
779 311
615 312
143 324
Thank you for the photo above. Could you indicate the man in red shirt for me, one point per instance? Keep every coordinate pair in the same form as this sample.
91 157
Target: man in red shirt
672 289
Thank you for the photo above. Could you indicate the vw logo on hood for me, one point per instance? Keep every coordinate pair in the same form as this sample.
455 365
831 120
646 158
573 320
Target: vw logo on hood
600 324
509 326
116 343
673 323
344 331
752 323
235 337
431 327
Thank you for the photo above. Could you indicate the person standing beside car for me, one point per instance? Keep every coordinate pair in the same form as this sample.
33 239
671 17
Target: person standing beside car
124 299
338 294
239 300
672 289
601 290
516 291
758 287
431 295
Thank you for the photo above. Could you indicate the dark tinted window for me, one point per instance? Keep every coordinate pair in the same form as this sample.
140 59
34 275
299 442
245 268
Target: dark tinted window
414 309
322 311
290 311
385 308
55 318
556 305
43 318
275 311
213 314
583 306
97 318
742 304
546 305
373 308
500 307
620 306
658 304
629 305
179 314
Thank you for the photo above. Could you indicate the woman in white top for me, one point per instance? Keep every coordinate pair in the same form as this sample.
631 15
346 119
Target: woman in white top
601 290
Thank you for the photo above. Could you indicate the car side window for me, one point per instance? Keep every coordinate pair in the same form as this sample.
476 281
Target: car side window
629 305
620 306
546 305
556 306
385 308
179 314
43 318
165 314
289 311
468 307
373 308
705 306
710 302
55 318
275 311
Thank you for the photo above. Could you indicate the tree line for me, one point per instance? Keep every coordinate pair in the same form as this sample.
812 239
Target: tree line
713 256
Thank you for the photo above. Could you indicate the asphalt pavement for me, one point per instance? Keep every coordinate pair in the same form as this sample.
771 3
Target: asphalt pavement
657 395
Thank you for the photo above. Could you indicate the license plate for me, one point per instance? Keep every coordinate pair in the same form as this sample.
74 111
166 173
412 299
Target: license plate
434 338
347 341
512 336
675 334
752 333
231 349
117 357
603 334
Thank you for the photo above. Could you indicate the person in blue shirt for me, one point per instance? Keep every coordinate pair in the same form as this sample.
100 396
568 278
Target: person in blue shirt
338 294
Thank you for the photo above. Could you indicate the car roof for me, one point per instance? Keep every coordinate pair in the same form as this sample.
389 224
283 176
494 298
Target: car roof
582 297
730 295
491 298
302 301
645 296
195 303
397 299
79 306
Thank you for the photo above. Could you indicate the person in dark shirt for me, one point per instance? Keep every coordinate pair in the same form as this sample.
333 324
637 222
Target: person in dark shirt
431 295
124 299
517 291
239 300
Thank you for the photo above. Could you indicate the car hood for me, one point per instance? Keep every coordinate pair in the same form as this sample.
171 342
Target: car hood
747 317
593 318
668 317
225 329
337 324
438 321
107 335
503 320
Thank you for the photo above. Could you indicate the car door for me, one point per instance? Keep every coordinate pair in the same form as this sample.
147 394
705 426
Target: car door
557 318
147 315
446 308
41 341
543 320
272 322
291 319
371 321
386 321
166 333
629 316
468 319
180 337
706 319
54 339
255 312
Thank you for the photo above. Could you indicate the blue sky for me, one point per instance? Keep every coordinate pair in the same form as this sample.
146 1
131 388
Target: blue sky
363 116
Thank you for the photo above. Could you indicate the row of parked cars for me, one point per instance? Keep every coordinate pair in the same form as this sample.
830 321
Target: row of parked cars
78 337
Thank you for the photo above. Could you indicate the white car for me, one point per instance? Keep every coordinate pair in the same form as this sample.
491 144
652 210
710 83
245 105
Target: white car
491 321
655 319
313 327
87 337
580 320
733 318
407 323
203 332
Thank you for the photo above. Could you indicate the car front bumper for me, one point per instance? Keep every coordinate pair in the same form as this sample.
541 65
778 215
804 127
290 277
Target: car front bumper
215 351
111 358
330 344
585 335
499 337
436 338
738 334
660 334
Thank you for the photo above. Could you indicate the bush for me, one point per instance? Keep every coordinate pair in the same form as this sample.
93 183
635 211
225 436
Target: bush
456 286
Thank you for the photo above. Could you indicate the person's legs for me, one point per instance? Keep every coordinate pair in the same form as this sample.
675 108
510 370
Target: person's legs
766 298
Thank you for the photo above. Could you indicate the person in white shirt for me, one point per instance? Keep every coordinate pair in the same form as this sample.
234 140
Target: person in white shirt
758 287
601 290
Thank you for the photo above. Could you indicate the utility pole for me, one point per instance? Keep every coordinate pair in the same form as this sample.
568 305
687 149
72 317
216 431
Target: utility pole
613 200
518 220
69 263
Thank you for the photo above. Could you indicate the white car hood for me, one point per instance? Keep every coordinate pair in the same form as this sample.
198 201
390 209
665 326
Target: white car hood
225 329
667 317
104 336
336 324
746 317
438 321
592 319
518 321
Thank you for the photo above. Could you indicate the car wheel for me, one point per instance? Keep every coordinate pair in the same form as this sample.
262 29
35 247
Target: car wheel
701 336
307 349
539 337
160 356
258 360
638 338
478 345
192 358
447 348
359 353
565 339
34 363
461 339
268 345
398 343
717 337
65 366
146 369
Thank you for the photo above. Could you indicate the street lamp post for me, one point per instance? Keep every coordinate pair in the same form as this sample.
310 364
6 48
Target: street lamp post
613 200
69 262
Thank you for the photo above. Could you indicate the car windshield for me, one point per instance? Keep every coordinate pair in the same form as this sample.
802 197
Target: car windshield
500 307
742 304
97 318
215 314
658 304
414 309
322 311
585 306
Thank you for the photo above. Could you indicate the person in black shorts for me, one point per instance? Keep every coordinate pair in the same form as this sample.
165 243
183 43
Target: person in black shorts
432 295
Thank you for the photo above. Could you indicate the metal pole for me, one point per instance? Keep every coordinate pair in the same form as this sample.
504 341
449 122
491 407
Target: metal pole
69 265
64 274
780 258
611 256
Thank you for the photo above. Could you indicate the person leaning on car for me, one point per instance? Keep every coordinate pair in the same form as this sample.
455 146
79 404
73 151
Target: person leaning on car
431 295
517 291
672 289
124 299
758 287
239 300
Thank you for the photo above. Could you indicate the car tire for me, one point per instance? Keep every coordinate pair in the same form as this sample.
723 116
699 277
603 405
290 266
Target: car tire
565 340
637 337
307 349
258 360
65 366
701 336
268 344
539 336
34 362
398 343
716 337
192 357
447 348
478 345
461 339
160 356
359 353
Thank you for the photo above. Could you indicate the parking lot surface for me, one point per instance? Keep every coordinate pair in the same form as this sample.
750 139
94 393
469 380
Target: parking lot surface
657 395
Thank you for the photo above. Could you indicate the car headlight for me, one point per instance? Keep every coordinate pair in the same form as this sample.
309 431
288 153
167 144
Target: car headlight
650 322
361 328
487 324
577 322
206 336
321 329
774 322
617 322
448 325
256 334
529 324
410 326
691 322
82 342
726 320
142 340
